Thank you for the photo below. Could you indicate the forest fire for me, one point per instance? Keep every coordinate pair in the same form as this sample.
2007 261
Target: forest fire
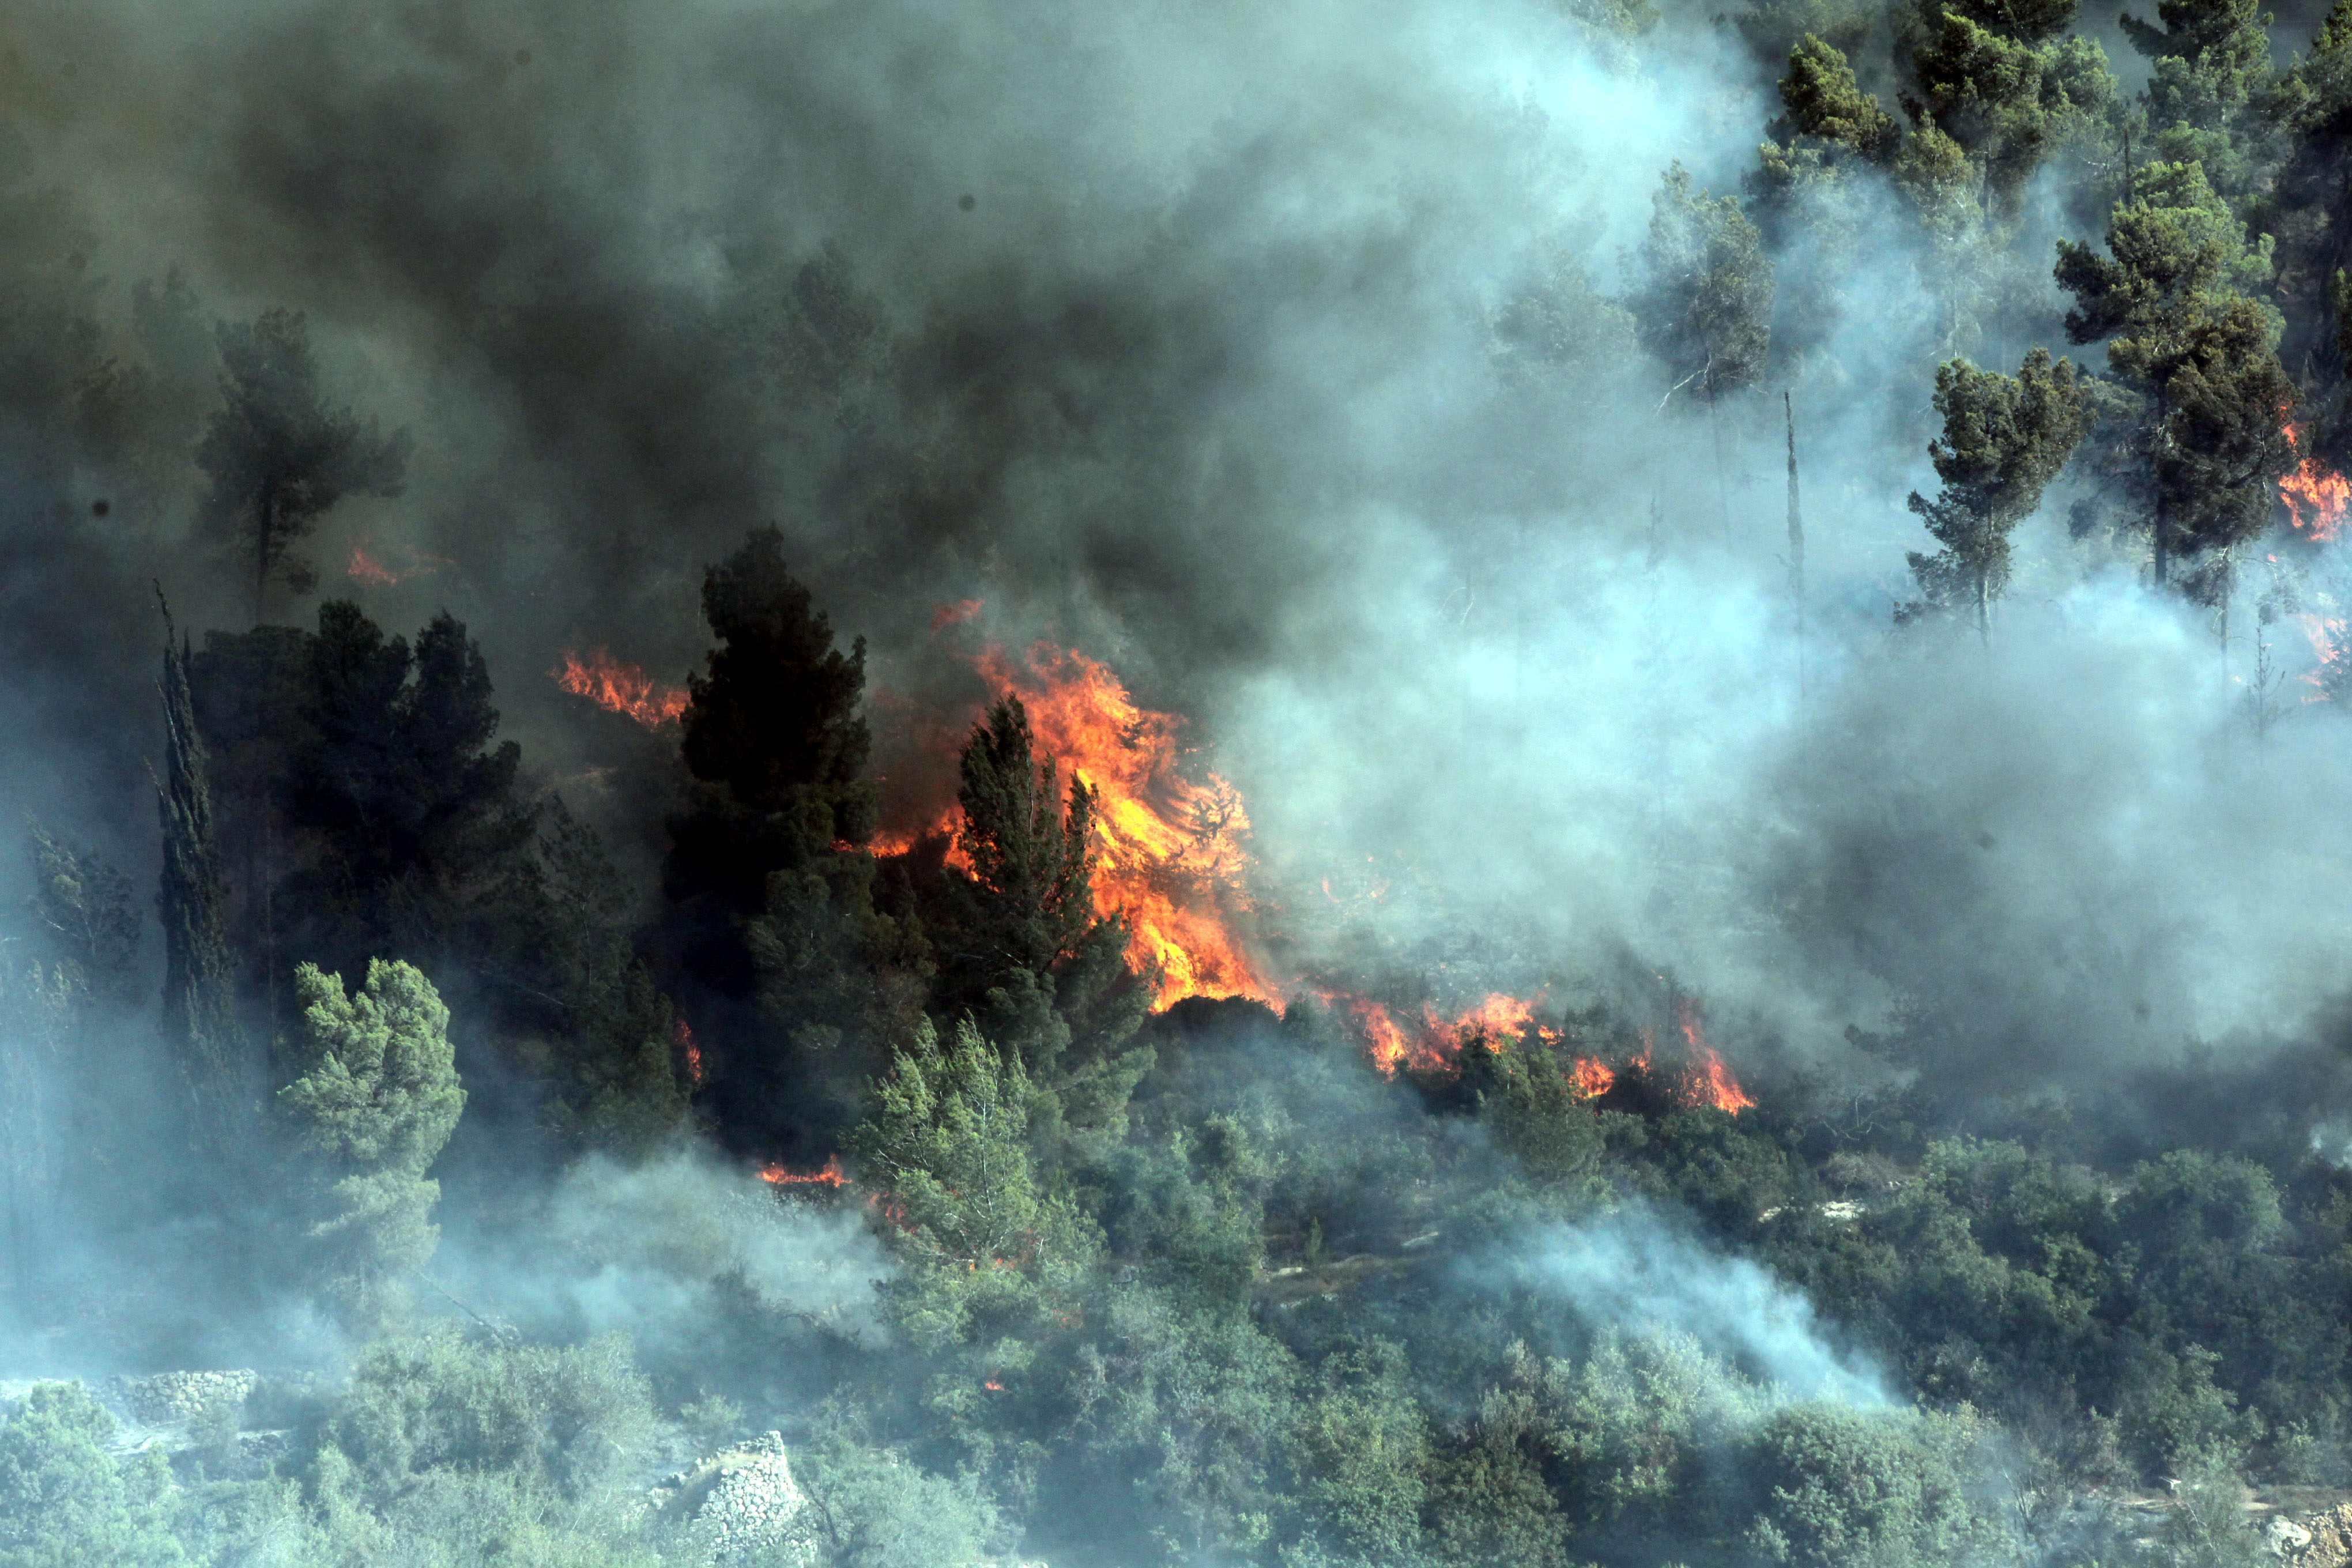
1707 1081
622 687
2315 495
1434 1045
829 1175
1169 850
689 1054
1171 859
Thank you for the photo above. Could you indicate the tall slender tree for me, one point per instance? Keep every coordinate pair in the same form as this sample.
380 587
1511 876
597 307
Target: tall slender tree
200 1025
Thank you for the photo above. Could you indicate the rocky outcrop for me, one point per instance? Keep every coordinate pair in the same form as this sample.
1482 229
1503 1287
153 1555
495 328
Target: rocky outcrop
742 1502
168 1398
2327 1541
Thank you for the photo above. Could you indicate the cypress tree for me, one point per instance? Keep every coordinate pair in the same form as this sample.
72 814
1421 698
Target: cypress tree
199 1025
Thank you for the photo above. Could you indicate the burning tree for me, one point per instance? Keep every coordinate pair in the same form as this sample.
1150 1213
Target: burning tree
277 457
2004 439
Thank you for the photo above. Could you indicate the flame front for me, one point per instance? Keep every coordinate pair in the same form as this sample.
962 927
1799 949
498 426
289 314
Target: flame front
623 687
1434 1045
2315 495
830 1175
1707 1081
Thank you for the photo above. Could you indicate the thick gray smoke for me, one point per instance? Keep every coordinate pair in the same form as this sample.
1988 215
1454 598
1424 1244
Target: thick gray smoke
1631 1273
1180 339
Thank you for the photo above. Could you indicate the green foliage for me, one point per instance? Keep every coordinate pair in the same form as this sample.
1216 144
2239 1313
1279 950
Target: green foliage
2008 103
769 927
66 1502
1843 1488
1186 1419
2004 439
1363 1450
376 1099
2204 355
277 457
572 1422
949 1141
1192 1214
877 1510
1825 102
1704 306
1031 853
420 821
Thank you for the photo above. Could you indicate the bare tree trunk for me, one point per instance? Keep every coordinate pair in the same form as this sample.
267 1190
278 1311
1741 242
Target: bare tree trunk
1796 543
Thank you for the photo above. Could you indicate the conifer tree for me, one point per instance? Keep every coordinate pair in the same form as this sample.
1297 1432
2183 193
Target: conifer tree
1047 978
2004 439
771 931
1030 849
2199 354
278 458
200 1026
376 1097
1704 308
2213 97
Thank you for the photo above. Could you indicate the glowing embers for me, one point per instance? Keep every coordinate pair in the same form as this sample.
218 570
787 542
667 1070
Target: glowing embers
2316 494
622 687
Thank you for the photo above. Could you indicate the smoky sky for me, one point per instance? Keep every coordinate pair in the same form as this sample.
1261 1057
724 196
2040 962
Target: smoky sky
1172 334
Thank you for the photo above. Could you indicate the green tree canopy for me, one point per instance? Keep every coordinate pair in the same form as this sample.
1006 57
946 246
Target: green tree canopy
67 1501
377 1097
2005 438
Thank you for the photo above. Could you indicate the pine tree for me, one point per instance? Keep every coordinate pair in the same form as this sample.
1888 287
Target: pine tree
422 831
2004 440
1030 850
277 457
770 933
1047 978
2198 353
377 1097
200 1026
1705 307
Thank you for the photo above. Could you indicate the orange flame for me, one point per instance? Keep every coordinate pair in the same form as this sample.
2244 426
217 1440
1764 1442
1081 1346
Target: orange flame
830 1175
1432 1043
368 572
623 687
1169 855
681 1039
1590 1078
954 612
1708 1081
2315 495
